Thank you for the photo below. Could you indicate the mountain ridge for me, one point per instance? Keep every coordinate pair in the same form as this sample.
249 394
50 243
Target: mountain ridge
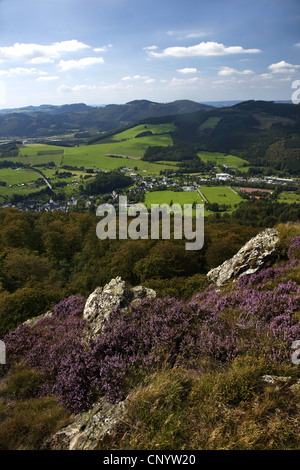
49 120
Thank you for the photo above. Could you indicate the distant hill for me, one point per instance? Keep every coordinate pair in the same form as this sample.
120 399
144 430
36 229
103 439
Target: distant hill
263 132
49 120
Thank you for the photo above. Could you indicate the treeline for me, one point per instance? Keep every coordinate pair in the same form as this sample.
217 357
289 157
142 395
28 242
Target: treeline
9 150
263 212
10 164
175 153
45 257
183 153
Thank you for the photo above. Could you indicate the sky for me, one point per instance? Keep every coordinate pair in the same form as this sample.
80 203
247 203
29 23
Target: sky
114 51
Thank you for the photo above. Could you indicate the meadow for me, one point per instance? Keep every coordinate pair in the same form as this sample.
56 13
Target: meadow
221 159
221 195
107 155
122 150
175 197
17 176
289 197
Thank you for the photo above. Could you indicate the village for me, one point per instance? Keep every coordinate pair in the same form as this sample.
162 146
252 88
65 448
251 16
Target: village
81 202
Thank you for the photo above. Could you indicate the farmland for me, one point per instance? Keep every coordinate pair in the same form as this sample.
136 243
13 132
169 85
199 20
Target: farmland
122 150
289 197
221 195
221 159
175 197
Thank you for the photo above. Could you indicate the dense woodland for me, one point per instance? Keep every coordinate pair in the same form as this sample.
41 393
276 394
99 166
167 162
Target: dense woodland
47 256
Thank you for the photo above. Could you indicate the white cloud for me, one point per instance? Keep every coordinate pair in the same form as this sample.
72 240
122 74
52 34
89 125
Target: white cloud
184 81
150 48
228 71
150 80
47 78
266 76
30 52
41 60
135 77
202 49
18 71
187 70
297 44
283 67
102 49
89 88
65 65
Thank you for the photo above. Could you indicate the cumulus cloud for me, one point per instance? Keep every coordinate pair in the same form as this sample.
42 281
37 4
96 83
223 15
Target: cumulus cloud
66 65
35 52
283 67
229 71
202 49
188 70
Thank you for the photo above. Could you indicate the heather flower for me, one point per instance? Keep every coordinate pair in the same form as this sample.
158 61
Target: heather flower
219 324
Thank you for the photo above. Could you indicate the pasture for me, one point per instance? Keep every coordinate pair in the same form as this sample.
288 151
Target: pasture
220 159
289 197
221 195
17 176
121 150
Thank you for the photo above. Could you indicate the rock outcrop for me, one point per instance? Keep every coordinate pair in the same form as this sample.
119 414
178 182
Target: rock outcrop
88 428
105 299
258 252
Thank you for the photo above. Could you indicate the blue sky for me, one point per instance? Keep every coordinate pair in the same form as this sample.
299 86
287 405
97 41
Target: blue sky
115 51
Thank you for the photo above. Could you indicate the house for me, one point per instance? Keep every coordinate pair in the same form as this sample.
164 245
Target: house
223 176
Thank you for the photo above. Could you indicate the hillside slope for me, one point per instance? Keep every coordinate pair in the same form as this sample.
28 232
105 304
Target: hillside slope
49 120
215 372
264 133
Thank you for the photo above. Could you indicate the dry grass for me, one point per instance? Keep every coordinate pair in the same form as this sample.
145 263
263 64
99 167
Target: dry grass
229 410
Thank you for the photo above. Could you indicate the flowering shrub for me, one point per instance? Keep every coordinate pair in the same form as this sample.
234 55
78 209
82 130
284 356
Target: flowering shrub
46 345
219 324
294 248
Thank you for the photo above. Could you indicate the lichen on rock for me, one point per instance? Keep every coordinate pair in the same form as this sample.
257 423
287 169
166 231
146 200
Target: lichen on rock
256 254
105 299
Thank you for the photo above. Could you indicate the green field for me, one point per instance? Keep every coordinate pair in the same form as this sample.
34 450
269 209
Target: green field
156 129
210 123
6 193
177 197
289 197
221 195
123 145
221 159
122 150
17 176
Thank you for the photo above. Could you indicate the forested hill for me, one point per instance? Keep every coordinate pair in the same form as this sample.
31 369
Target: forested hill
265 133
48 120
